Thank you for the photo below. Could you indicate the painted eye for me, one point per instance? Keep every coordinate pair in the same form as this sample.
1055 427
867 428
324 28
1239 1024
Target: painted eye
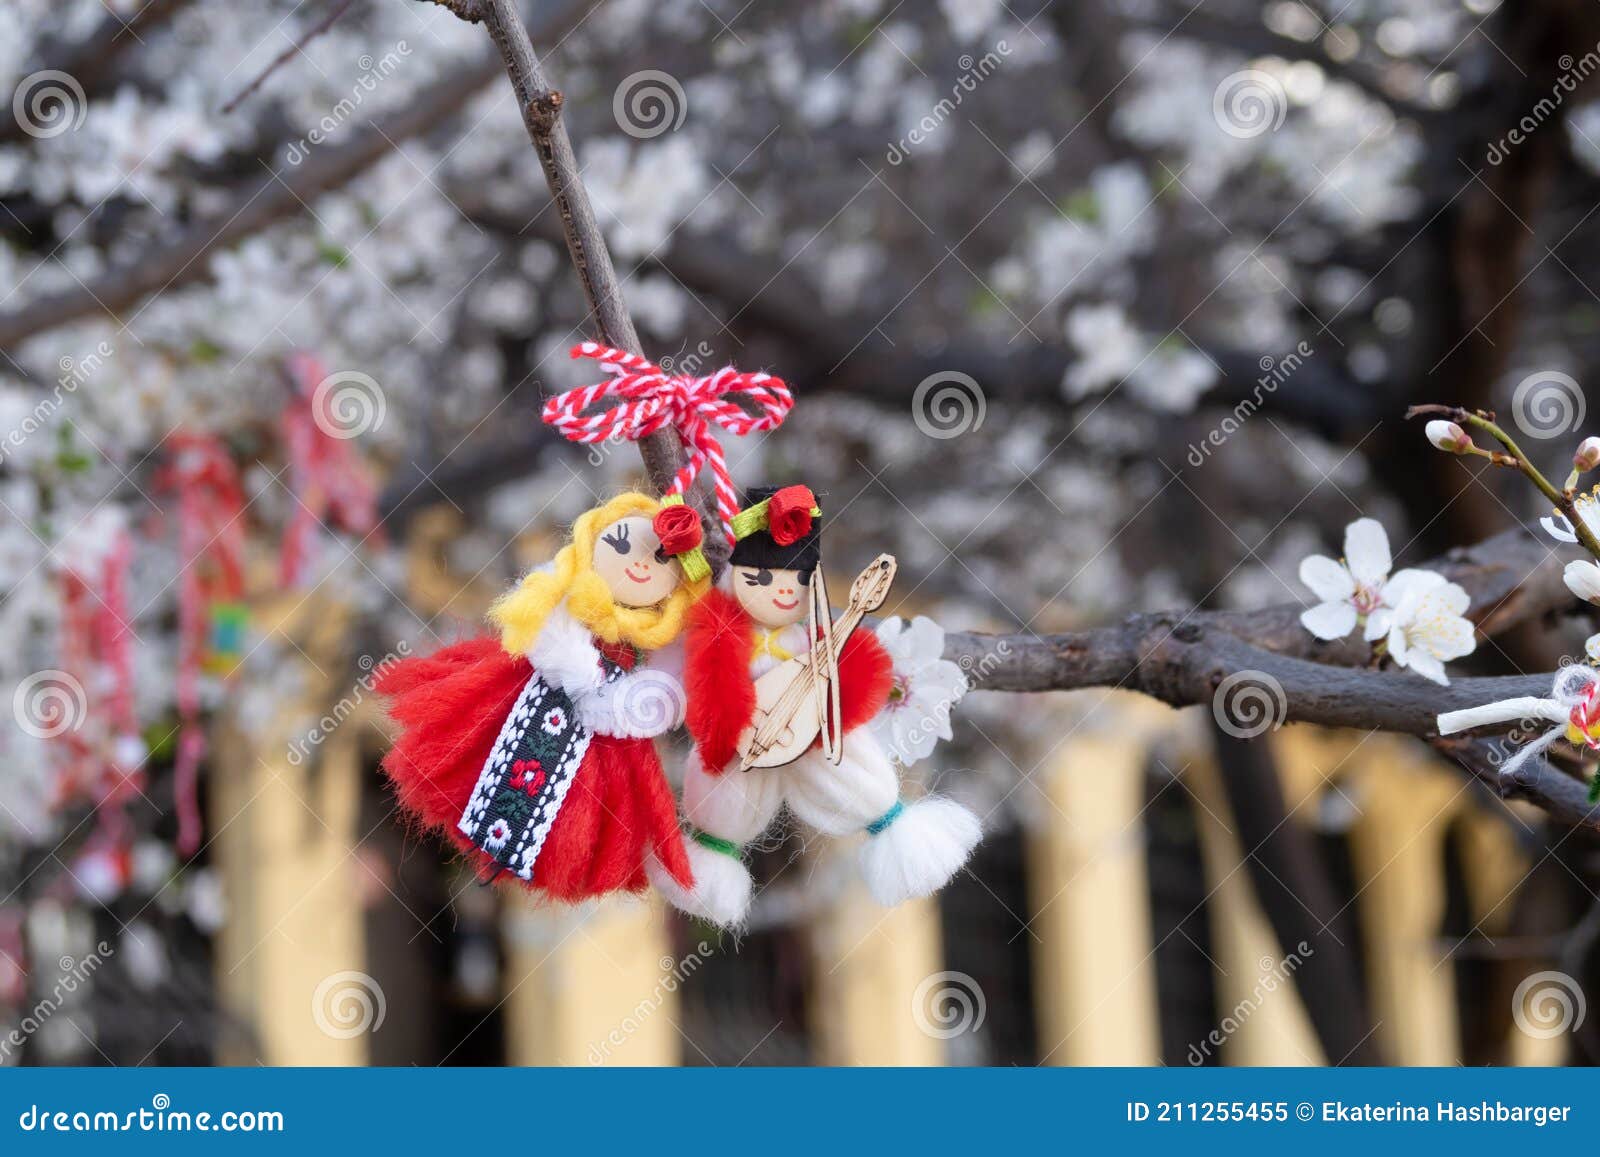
617 540
662 556
761 578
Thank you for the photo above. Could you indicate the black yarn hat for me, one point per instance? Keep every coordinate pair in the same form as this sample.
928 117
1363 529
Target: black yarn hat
759 549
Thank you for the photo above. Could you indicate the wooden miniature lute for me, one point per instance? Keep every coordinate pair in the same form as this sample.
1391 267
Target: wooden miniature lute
799 699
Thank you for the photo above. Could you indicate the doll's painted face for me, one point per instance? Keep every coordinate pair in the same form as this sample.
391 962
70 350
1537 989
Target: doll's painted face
628 559
773 598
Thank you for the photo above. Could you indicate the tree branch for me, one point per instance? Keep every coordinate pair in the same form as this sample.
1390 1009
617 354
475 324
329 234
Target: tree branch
541 103
177 261
294 49
92 61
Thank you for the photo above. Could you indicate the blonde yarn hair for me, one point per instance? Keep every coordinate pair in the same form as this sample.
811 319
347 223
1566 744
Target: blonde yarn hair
520 613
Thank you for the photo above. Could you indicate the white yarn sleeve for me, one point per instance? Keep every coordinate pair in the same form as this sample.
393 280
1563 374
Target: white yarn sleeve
1505 711
565 656
639 705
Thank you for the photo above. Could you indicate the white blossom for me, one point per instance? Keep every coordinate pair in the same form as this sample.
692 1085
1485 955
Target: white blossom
926 687
1429 627
1358 590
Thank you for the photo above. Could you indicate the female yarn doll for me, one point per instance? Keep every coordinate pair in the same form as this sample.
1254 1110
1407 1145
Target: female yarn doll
533 752
733 638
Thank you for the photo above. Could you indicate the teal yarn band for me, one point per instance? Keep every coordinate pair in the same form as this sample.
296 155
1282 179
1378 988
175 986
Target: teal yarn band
877 826
711 842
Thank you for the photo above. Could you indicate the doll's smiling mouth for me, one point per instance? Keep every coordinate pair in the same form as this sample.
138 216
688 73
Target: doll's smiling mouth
629 572
783 606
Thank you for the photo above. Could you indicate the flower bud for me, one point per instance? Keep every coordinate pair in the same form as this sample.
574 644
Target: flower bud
1587 456
1583 580
1449 437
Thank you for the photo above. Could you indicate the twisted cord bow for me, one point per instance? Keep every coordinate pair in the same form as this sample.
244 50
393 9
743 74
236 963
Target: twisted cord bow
651 399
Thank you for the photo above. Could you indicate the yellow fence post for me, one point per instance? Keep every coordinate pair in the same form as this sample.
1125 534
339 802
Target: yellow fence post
592 985
1261 1019
291 958
1094 963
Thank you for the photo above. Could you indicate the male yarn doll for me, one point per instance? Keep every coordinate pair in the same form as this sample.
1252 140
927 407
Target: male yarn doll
533 752
734 637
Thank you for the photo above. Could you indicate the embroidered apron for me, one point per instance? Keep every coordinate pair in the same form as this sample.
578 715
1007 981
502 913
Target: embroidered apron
528 774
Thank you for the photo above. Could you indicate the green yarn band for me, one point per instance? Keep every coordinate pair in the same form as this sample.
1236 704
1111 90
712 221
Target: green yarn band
712 843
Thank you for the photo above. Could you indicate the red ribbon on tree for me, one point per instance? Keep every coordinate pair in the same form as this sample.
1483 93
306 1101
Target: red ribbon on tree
652 399
327 478
211 545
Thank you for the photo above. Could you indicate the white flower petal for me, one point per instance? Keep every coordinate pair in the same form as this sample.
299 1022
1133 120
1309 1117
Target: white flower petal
1451 639
1592 648
927 641
1366 551
1558 527
1428 667
1330 581
1329 620
1406 582
1378 624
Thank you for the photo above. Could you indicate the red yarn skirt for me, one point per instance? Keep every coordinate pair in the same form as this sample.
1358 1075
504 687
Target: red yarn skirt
450 707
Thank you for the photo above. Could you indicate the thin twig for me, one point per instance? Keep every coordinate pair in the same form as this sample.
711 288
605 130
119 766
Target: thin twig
1480 420
287 54
540 103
